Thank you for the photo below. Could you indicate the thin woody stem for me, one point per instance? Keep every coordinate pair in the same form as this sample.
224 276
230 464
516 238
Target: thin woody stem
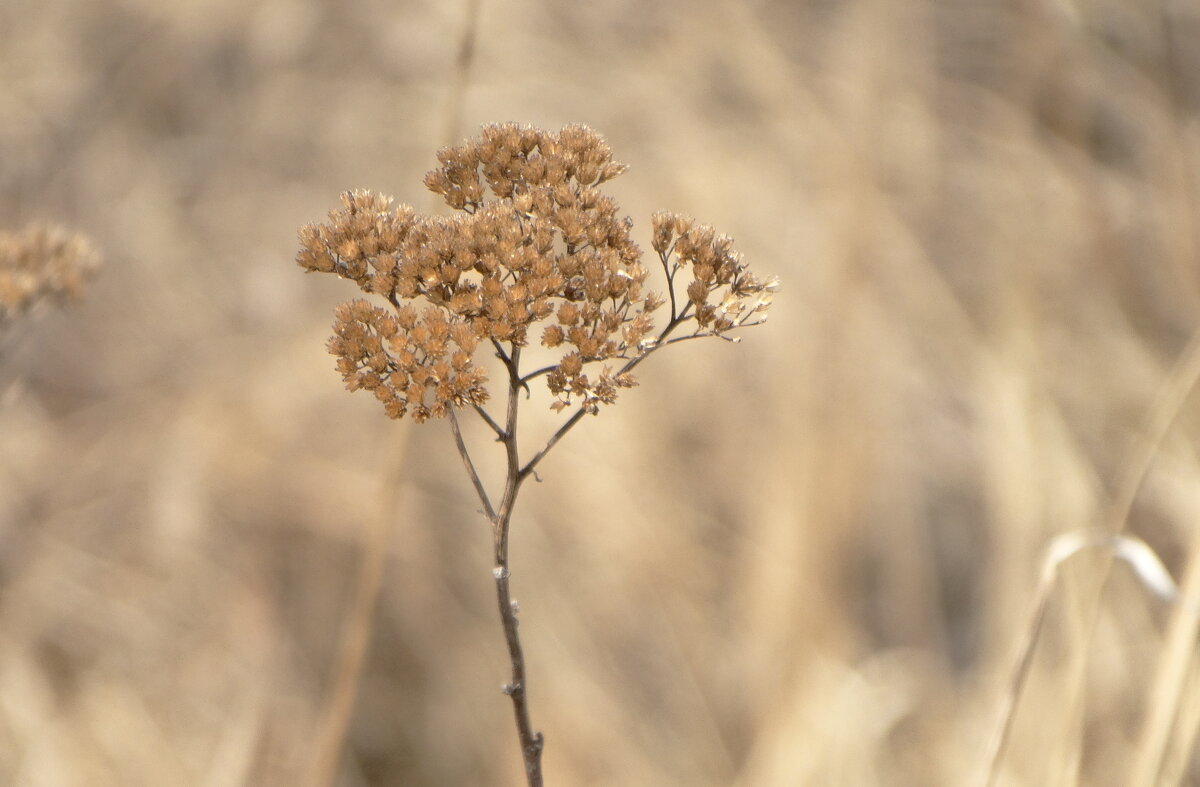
512 478
531 741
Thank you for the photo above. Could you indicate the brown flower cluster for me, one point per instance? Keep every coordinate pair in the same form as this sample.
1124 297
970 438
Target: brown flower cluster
42 262
723 293
410 361
533 241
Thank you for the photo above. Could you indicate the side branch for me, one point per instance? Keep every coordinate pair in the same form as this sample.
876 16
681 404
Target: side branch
466 457
577 416
539 372
487 419
554 438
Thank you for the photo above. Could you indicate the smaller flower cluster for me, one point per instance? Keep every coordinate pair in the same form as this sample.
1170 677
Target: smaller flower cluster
723 293
359 241
411 361
42 262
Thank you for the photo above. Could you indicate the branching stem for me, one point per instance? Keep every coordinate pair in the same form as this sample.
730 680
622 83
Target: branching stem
500 518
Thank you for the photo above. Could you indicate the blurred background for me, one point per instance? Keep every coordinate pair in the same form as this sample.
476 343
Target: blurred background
809 559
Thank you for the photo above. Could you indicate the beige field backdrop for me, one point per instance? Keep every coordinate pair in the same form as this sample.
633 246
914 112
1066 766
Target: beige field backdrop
808 559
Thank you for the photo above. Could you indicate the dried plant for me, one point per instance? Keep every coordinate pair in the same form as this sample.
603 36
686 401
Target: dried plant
41 262
535 252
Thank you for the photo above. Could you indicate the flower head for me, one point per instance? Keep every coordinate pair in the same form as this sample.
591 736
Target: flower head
533 242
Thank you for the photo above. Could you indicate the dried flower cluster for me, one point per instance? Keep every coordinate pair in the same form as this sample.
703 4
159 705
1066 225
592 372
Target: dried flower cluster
408 360
41 262
533 242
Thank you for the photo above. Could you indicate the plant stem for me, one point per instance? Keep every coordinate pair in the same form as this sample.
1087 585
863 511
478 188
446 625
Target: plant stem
531 741
500 517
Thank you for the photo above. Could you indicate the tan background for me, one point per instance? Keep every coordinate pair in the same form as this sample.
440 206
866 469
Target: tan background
804 560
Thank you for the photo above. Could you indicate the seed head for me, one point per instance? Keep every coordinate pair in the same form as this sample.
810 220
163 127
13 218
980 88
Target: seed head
532 240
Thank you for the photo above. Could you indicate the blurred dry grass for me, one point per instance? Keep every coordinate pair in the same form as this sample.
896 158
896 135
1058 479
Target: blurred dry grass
811 568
